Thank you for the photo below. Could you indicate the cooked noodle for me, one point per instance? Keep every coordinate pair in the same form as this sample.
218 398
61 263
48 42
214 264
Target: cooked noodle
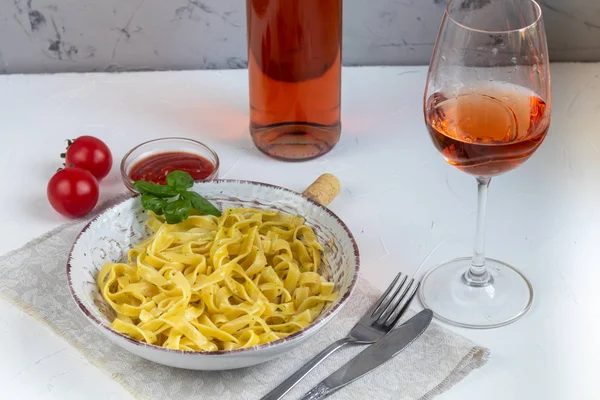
245 278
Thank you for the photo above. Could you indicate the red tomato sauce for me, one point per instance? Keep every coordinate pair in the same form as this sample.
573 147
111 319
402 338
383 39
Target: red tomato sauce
156 167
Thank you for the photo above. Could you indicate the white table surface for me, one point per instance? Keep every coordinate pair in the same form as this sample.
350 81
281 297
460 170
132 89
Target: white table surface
403 203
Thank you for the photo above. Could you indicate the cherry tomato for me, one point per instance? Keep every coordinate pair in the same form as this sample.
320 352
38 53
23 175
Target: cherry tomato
91 154
73 192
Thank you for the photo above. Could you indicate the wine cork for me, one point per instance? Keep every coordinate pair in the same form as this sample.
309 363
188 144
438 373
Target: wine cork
324 189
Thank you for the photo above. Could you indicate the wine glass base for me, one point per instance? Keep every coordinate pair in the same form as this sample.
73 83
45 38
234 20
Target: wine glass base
502 302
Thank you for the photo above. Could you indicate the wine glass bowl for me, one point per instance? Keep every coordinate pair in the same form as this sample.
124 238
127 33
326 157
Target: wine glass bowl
487 129
487 108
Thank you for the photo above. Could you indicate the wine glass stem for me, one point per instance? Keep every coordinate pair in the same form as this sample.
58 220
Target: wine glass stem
477 275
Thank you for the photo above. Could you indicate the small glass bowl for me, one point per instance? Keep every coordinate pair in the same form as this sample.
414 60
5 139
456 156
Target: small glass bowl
163 145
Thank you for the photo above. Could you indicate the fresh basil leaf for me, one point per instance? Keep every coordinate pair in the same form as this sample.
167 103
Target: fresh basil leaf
180 180
177 211
153 203
200 204
152 188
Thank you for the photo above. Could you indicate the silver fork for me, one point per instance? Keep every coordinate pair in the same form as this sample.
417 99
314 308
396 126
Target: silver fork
376 322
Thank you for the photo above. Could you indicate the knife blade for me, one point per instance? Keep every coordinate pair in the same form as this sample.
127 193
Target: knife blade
374 356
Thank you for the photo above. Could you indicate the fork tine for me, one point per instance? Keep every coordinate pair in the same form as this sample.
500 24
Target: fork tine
399 312
395 302
375 307
389 300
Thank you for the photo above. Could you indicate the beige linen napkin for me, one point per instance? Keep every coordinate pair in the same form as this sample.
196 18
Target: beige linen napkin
34 278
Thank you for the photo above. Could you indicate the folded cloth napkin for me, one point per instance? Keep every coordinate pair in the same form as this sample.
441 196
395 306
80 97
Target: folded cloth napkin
34 278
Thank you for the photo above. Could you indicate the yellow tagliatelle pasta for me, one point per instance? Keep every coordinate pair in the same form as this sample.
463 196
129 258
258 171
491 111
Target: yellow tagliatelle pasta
246 278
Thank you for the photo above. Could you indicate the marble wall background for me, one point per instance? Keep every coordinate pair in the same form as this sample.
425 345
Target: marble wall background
116 35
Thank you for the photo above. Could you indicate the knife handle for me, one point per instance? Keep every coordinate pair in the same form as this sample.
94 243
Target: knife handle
318 392
290 382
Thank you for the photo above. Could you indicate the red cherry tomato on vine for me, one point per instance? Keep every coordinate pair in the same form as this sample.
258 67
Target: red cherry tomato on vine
91 154
73 192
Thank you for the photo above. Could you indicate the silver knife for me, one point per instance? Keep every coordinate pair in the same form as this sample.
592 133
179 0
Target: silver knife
375 355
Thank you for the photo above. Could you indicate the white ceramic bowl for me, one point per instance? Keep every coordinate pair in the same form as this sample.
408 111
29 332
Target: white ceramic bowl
108 237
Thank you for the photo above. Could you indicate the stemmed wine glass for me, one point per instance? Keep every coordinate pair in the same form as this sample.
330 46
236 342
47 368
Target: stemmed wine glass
487 108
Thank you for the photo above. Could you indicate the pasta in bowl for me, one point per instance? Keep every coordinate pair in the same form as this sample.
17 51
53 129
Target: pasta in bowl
212 283
214 292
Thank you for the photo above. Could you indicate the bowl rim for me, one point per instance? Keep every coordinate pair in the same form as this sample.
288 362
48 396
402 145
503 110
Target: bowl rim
215 161
315 325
